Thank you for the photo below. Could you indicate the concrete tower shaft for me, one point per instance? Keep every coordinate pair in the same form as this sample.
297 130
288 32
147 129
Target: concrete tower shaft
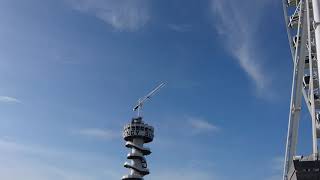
136 134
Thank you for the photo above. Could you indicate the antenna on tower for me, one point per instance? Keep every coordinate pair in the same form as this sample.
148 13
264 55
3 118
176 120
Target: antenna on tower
141 101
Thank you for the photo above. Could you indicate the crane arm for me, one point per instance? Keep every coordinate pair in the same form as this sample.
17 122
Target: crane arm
148 96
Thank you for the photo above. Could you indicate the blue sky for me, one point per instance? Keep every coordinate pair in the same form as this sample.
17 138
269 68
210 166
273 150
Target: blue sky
71 70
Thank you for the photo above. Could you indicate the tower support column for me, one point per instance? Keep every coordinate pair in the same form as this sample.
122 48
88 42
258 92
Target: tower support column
136 134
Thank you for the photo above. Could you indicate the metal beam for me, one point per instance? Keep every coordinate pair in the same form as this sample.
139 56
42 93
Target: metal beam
296 93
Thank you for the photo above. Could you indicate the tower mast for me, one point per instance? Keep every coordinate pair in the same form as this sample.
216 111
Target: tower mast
136 134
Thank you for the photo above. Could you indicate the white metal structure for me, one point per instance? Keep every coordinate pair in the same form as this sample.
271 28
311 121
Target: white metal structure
302 18
136 134
141 101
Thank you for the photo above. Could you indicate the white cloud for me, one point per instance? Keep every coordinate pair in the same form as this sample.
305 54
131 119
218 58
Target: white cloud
26 170
276 166
126 15
237 26
30 162
185 174
277 163
275 177
180 27
98 133
7 99
201 126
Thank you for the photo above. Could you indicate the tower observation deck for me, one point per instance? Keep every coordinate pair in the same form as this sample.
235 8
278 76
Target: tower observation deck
302 18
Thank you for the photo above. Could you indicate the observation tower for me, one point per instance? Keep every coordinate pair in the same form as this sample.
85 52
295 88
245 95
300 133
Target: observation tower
302 19
136 134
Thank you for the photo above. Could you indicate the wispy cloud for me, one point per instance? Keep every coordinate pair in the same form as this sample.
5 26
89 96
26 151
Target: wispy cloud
123 15
238 28
43 163
8 99
276 166
277 163
202 126
185 174
37 162
98 133
180 27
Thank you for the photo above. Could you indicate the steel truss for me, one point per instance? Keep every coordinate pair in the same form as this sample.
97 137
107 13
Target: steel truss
303 37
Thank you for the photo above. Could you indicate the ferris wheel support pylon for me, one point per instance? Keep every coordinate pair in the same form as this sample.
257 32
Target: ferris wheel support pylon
316 20
296 93
316 15
304 38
